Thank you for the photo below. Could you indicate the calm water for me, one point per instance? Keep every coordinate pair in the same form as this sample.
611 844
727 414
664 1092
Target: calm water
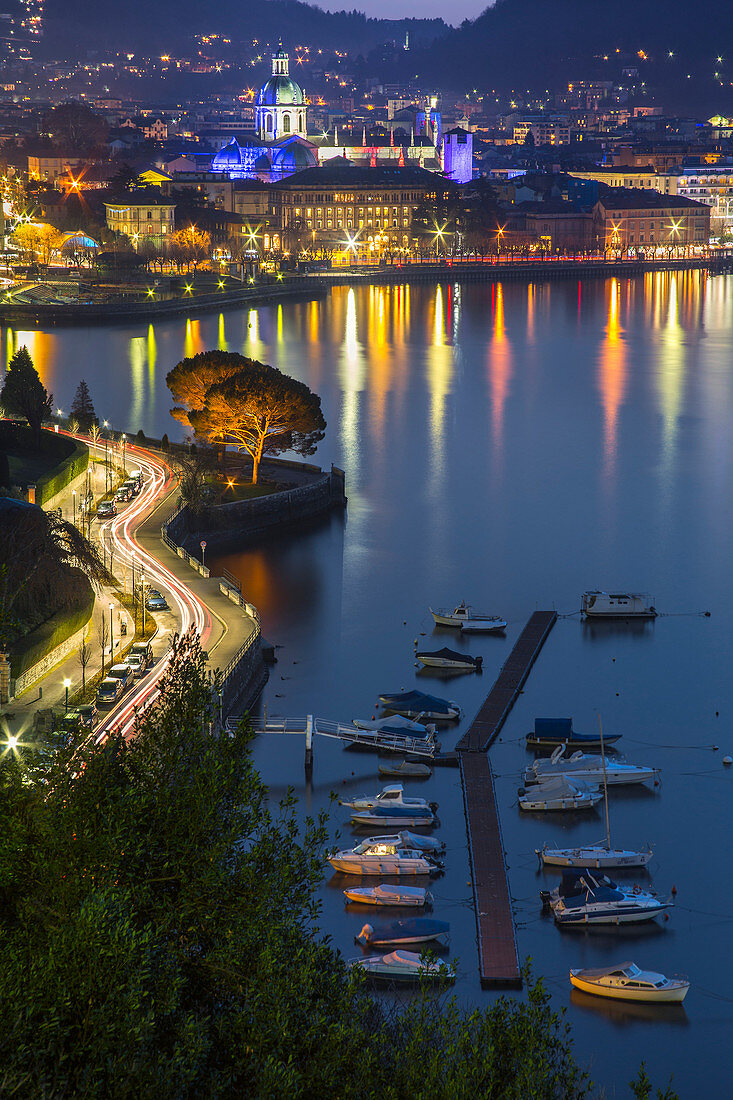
511 445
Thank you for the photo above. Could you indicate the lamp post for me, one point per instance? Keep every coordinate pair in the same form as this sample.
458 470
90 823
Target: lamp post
124 441
142 586
111 637
67 685
73 493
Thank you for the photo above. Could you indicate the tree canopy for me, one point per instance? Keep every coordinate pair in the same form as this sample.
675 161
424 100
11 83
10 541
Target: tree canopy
23 394
75 126
160 939
190 379
82 408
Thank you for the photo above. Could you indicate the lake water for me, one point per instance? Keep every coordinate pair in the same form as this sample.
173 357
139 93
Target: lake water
512 445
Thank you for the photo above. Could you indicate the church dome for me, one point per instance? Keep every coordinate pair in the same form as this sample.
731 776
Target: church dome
280 91
294 157
262 164
229 156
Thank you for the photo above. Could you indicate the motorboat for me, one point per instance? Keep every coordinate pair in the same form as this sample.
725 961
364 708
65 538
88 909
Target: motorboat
628 982
618 605
585 896
559 793
591 769
549 732
383 816
466 619
384 894
416 704
391 796
405 839
450 660
407 768
403 966
384 859
402 933
595 855
396 724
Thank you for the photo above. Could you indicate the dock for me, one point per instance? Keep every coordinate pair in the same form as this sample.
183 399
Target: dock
497 944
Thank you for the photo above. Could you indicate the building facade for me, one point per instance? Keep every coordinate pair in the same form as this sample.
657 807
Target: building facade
143 217
641 221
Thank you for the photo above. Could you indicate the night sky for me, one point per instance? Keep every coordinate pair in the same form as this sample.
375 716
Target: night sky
453 13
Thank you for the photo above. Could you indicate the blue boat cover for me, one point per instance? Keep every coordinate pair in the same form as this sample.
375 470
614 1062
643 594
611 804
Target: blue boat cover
418 700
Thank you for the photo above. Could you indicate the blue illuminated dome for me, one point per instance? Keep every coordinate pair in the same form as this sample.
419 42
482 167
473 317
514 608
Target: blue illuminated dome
294 157
228 157
280 91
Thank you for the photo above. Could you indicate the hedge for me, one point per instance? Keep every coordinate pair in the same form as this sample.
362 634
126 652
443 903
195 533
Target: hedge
33 647
54 481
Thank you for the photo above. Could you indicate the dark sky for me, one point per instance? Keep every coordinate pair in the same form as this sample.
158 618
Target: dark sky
416 9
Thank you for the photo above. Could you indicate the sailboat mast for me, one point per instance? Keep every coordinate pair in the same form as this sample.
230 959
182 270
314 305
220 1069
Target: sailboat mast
605 788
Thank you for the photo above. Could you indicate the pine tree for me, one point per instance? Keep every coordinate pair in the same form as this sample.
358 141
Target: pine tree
82 408
23 393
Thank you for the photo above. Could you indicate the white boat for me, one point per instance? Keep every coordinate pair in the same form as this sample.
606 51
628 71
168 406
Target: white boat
403 966
404 933
559 793
465 618
383 816
628 982
405 840
391 796
591 769
405 767
450 660
595 855
589 897
384 894
384 859
618 605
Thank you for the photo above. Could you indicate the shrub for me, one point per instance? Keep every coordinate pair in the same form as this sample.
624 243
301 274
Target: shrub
33 647
140 437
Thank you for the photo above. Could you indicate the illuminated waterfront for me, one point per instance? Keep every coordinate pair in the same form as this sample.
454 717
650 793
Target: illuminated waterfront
513 445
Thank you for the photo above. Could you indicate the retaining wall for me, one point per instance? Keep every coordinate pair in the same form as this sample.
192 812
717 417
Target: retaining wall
39 670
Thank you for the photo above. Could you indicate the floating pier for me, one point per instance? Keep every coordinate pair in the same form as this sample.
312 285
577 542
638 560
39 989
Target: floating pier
497 944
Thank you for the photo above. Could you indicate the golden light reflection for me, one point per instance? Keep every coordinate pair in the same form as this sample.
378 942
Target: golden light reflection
438 329
313 322
353 379
279 324
221 335
253 327
41 348
612 378
380 359
500 369
138 357
440 381
152 356
192 342
671 372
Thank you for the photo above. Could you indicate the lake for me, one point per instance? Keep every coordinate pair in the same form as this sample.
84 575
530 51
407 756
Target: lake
512 445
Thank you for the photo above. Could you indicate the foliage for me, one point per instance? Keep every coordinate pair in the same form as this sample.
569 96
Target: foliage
641 1087
82 407
126 178
38 242
75 126
23 393
157 914
190 379
189 247
4 470
194 472
54 481
165 443
31 648
140 437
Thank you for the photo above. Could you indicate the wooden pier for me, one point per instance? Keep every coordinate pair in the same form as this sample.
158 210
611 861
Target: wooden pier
497 944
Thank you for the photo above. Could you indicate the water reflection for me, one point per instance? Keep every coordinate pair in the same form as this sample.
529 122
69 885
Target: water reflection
623 1013
500 367
612 380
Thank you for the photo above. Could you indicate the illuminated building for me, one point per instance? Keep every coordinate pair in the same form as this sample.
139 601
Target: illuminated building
641 220
142 216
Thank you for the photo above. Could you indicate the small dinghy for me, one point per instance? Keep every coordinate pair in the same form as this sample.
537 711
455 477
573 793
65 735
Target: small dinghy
384 859
384 894
559 793
404 933
406 768
405 840
591 769
450 660
403 966
550 732
469 621
628 982
588 897
416 704
400 816
391 796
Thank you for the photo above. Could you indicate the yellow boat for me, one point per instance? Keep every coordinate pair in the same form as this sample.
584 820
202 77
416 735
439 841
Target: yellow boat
627 982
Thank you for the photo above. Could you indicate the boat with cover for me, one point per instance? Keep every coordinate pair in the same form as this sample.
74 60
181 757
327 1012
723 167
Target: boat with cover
400 816
391 796
384 859
384 894
595 855
403 933
407 768
585 896
618 605
395 724
450 660
591 769
559 793
403 966
549 732
628 982
416 704
465 618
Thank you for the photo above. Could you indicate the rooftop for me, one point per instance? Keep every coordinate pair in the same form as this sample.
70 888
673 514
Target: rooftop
351 175
636 198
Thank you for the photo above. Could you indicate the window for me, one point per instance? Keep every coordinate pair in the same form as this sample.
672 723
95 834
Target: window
286 124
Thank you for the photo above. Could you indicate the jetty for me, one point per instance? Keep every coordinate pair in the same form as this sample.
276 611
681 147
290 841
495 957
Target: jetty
497 944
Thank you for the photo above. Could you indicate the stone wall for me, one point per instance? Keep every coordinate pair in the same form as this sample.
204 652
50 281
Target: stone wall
32 675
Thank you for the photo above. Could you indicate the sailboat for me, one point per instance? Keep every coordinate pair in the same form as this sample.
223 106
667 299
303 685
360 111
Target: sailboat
595 855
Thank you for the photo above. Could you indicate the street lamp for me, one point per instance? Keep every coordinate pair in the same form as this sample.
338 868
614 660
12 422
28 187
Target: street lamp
124 441
111 637
142 586
67 685
73 493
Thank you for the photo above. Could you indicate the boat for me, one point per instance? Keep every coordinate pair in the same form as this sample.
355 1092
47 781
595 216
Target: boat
401 933
403 966
383 816
618 605
450 660
407 768
466 619
559 793
384 859
628 982
416 704
384 894
591 769
550 732
585 896
394 724
391 796
406 840
595 855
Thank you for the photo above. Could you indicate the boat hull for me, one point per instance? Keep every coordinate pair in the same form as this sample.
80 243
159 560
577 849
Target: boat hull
448 665
629 915
613 777
583 802
675 993
592 857
415 771
574 743
364 817
364 897
381 865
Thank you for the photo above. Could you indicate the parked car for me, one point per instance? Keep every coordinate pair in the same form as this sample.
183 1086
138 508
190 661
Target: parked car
122 495
155 602
88 714
136 663
143 650
124 674
106 509
133 487
109 691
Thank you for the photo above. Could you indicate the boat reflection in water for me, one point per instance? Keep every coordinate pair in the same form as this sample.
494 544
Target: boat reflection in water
623 1013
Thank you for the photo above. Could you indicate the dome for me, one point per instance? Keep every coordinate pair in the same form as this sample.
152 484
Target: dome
229 156
262 164
280 91
294 157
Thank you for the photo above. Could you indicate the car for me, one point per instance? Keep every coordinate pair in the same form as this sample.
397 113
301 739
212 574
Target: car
124 674
122 495
155 602
143 650
136 663
106 509
88 714
132 487
109 691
